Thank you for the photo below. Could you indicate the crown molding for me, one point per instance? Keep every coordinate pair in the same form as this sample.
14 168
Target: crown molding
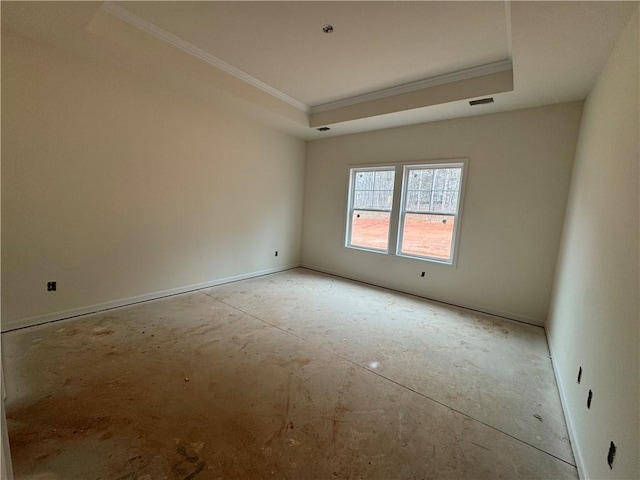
142 24
467 74
168 37
507 14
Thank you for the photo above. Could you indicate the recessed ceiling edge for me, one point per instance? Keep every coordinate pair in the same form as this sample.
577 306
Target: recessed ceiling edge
489 84
168 37
479 71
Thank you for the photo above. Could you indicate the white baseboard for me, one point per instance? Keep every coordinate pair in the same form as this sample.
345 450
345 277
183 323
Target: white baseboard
575 446
477 308
51 317
6 472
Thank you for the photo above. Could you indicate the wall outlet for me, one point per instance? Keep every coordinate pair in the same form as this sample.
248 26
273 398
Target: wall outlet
611 455
51 286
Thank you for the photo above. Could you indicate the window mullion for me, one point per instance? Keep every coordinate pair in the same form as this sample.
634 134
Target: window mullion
352 189
394 221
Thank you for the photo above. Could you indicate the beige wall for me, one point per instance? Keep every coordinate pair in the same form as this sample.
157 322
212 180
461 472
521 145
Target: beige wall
594 318
116 188
519 171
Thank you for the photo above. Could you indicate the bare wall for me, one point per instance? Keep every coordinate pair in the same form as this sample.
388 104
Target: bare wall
595 314
517 184
116 188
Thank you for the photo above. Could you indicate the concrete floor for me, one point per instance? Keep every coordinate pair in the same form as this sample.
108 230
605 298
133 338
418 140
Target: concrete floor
295 375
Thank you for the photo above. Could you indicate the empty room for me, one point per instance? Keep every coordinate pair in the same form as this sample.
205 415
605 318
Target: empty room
317 240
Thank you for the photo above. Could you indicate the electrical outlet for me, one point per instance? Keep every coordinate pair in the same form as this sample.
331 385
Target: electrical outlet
579 374
611 455
51 286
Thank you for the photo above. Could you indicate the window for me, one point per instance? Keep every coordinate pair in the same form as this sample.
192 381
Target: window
410 210
370 208
429 211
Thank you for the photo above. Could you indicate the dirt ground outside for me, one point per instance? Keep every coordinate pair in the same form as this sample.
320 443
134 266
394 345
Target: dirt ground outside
426 235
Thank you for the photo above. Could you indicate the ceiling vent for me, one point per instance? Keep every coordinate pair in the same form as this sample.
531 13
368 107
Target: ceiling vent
482 101
323 129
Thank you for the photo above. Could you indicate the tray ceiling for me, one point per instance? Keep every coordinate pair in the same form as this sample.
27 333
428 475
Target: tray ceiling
385 64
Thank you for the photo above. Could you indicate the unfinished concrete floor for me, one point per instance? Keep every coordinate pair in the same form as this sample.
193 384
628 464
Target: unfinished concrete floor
296 375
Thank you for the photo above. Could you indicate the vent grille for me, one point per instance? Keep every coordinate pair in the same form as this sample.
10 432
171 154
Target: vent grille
482 101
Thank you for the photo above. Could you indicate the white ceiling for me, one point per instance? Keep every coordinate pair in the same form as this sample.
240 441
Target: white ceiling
373 46
271 60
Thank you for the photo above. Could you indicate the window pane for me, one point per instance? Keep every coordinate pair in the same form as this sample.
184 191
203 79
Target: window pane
436 201
428 235
373 190
450 201
413 182
383 199
412 199
425 200
433 189
364 181
427 179
384 180
362 199
370 229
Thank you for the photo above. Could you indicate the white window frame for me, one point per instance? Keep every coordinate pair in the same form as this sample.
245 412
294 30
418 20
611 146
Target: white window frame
353 171
398 211
407 168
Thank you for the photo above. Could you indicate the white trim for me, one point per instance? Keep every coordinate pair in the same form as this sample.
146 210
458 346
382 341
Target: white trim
168 37
7 467
575 446
377 210
468 306
507 12
394 225
467 74
50 317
